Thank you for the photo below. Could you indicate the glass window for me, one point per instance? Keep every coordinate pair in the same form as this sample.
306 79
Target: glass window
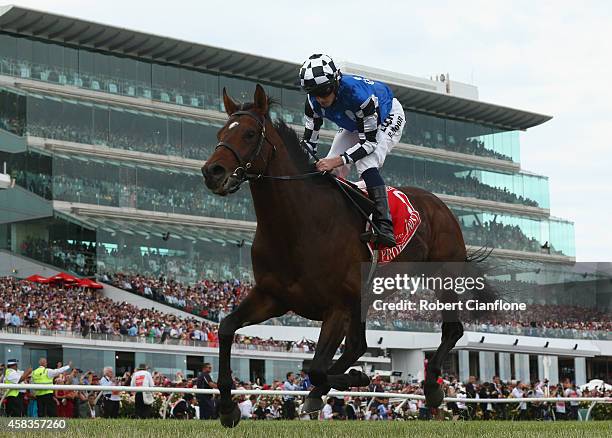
208 85
8 47
24 49
199 139
101 125
241 90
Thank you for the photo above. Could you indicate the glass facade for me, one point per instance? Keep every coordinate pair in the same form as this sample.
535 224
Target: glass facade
50 62
513 232
125 128
458 136
119 127
460 180
96 245
144 248
93 180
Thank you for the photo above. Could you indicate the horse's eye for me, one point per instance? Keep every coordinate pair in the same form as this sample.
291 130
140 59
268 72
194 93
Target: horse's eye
250 134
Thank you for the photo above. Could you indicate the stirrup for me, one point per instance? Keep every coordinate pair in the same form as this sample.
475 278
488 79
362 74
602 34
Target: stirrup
371 236
389 242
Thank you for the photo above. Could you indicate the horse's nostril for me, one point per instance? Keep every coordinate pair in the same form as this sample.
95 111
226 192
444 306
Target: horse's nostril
213 171
216 170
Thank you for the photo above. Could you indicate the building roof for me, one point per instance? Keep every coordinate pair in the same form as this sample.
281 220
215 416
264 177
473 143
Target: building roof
88 34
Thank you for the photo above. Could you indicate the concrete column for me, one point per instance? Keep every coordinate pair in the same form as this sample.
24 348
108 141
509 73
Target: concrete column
410 362
464 365
13 231
548 368
505 367
486 365
580 370
521 367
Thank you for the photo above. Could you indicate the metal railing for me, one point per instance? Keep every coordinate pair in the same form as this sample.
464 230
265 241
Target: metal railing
147 340
273 392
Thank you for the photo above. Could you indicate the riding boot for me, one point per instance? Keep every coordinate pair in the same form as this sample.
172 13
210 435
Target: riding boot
382 217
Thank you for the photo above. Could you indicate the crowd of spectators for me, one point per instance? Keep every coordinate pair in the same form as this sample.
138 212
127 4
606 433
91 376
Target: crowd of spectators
499 235
184 405
14 125
152 143
198 201
74 256
156 275
88 259
185 195
472 146
541 320
215 299
209 299
449 184
50 308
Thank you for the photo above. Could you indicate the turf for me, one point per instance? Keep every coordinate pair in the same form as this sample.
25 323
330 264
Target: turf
318 429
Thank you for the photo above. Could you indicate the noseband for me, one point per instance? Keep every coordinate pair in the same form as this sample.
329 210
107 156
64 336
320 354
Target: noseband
241 172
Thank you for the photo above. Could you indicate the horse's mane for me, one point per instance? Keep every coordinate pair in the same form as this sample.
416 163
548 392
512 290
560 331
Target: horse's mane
299 156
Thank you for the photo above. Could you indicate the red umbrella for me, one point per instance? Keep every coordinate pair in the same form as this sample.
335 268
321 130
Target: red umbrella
86 282
63 277
37 279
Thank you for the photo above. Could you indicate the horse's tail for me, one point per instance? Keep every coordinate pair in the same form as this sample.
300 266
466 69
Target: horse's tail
489 293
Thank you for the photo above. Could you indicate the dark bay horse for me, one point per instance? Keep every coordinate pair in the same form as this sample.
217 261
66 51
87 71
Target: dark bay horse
307 254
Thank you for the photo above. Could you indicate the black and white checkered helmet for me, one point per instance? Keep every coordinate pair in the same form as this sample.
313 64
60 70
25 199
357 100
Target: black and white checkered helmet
317 71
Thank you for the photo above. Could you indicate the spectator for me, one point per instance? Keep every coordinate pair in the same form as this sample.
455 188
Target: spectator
90 409
142 378
14 397
65 397
289 400
246 407
182 408
205 401
44 397
519 392
111 399
327 413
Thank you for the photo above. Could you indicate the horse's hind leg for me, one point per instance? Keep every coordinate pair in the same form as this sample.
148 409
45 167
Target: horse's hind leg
255 308
332 332
452 331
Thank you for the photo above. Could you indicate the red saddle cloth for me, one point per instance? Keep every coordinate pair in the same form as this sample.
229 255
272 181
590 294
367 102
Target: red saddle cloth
406 221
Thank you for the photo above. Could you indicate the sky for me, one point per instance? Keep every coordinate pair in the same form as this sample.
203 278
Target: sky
550 57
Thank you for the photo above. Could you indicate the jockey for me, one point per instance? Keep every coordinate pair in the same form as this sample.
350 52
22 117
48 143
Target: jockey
371 122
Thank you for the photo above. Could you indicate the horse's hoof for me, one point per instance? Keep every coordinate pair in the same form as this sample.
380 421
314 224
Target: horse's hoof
363 379
434 395
231 418
312 404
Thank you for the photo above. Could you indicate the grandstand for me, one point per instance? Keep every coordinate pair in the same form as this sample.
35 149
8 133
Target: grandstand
104 131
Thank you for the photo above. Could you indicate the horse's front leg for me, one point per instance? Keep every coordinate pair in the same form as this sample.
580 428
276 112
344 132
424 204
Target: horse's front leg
255 308
332 332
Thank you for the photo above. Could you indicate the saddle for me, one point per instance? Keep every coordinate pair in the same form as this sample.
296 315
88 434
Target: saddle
406 219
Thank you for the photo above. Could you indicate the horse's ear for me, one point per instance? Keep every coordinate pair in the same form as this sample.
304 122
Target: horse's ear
230 106
261 100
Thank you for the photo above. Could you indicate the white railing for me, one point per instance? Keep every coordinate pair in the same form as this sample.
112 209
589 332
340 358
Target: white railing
273 392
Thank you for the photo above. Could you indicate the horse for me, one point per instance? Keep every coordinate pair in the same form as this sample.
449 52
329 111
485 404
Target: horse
307 255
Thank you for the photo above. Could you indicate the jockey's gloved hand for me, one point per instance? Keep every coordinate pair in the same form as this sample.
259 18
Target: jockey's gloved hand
312 147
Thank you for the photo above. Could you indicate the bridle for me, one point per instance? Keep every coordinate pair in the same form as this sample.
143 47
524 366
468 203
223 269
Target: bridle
241 173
